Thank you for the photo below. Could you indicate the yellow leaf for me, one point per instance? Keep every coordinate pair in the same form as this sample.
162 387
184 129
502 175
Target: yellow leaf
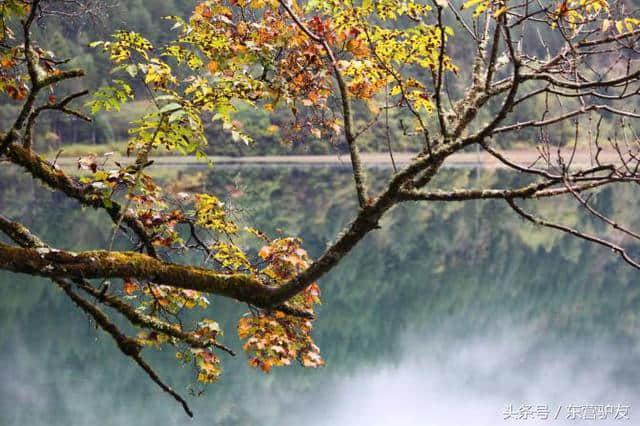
629 23
470 3
500 12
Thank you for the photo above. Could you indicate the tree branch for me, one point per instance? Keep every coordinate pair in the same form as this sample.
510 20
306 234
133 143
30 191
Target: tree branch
359 174
23 237
128 346
40 169
53 263
60 106
542 222
535 190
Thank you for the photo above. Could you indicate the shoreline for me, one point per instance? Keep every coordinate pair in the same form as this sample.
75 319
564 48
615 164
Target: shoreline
370 159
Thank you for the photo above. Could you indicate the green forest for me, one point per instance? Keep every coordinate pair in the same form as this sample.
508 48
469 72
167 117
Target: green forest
70 39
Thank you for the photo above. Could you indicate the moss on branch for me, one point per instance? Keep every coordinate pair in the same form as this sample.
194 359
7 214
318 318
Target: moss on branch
42 170
54 263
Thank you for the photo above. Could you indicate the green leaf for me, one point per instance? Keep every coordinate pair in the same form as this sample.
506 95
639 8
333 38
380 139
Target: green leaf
176 115
132 70
171 107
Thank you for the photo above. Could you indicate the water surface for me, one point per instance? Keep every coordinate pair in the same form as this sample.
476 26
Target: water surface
450 314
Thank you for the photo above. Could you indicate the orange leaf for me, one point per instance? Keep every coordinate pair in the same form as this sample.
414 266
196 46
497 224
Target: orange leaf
266 366
358 48
265 252
130 287
213 66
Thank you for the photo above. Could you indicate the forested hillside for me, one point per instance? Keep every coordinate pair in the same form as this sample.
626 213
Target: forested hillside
70 39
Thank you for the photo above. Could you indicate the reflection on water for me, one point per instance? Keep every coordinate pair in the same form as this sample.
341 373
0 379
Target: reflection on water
446 316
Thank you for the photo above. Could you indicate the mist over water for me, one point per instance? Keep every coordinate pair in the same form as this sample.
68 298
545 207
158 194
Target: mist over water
472 381
433 320
436 381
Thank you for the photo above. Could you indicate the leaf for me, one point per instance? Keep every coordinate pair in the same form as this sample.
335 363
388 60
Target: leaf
500 12
170 107
177 115
132 70
89 162
358 48
266 366
470 3
129 287
213 66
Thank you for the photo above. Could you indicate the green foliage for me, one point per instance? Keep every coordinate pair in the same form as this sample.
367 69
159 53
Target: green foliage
110 98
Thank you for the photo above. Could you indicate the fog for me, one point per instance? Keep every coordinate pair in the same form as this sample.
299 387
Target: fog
438 380
473 380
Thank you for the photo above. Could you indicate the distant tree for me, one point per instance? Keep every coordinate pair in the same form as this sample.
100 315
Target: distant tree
451 76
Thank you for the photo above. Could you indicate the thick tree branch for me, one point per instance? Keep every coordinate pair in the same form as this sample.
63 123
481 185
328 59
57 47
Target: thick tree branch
42 170
23 237
128 346
53 263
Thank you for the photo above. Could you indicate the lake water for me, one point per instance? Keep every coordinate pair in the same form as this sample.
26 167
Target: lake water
451 314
